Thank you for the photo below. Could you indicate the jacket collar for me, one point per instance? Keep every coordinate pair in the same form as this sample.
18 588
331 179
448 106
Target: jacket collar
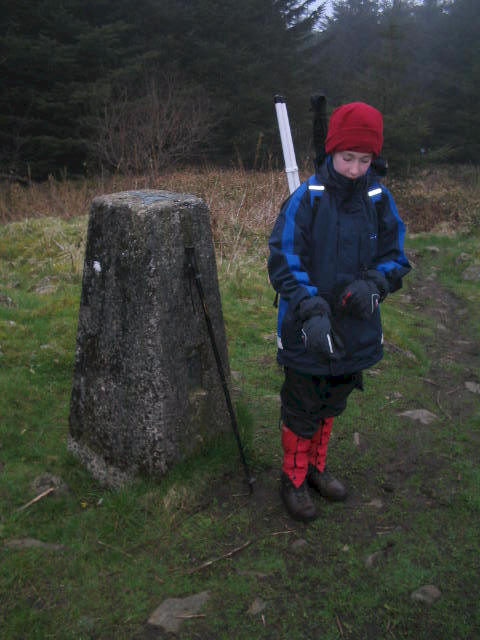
327 176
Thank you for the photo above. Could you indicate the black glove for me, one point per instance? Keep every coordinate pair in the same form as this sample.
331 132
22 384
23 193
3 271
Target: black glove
314 306
317 334
360 299
379 279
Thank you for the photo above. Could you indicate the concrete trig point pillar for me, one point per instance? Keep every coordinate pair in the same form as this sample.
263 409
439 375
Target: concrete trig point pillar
146 390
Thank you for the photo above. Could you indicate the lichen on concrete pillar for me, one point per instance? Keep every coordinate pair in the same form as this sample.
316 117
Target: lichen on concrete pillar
146 390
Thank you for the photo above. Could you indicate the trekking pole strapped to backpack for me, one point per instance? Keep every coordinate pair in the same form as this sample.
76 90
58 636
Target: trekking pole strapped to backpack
291 168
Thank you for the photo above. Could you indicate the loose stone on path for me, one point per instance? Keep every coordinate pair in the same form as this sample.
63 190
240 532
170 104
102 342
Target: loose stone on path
173 611
422 415
374 559
474 387
257 606
47 481
427 594
299 545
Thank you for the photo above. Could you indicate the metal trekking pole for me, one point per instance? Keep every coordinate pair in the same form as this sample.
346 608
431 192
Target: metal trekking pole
291 168
193 268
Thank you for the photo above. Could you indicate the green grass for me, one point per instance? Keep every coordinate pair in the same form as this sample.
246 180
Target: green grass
126 551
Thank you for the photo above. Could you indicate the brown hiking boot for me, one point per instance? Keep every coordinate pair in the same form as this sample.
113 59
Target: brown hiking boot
297 501
326 485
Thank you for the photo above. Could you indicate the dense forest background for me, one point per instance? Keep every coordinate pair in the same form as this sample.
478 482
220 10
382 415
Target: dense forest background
136 85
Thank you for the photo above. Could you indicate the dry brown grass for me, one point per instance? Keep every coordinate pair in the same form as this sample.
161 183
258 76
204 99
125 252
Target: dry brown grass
244 204
241 203
440 200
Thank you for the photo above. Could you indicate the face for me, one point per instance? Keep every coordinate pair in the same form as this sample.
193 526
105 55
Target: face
352 164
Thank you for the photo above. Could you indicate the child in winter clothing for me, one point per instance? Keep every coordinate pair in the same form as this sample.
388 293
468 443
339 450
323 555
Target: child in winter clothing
336 252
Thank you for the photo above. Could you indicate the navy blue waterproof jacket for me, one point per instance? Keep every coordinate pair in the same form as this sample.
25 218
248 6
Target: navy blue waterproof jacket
329 232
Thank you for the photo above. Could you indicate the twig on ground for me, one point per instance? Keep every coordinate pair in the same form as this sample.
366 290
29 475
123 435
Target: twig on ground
435 384
441 408
279 533
186 616
59 245
37 498
339 625
452 390
208 563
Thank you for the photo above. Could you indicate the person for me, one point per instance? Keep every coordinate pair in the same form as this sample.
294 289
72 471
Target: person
336 252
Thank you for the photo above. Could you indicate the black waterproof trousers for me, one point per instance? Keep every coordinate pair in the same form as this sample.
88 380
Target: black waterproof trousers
307 399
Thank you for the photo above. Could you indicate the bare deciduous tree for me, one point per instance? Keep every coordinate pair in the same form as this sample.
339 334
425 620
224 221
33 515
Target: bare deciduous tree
167 121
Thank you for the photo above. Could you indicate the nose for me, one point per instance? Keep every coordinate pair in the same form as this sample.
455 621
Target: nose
355 169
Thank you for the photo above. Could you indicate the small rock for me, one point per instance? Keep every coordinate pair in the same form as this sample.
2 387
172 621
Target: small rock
376 502
474 387
299 545
441 326
463 257
427 594
172 611
31 543
422 415
356 439
345 548
257 606
49 481
472 273
374 559
6 301
270 337
433 249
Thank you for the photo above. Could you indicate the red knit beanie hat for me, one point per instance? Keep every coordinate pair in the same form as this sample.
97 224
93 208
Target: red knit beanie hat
355 127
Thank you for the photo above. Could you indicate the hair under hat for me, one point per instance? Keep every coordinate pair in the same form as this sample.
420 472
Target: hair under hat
355 127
